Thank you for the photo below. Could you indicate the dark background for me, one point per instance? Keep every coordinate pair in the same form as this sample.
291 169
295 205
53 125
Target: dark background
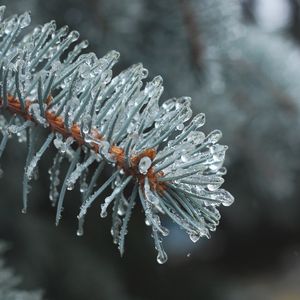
240 61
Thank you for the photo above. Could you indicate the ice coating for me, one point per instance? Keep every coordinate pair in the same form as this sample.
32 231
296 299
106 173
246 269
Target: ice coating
157 151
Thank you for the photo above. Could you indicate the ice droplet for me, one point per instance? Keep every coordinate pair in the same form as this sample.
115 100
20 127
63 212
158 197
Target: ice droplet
144 165
194 237
184 158
213 187
145 73
196 137
162 257
180 126
25 20
214 136
103 213
74 35
228 199
80 232
199 120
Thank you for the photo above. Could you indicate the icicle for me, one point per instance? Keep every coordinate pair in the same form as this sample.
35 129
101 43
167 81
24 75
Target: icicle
78 171
5 136
152 218
91 199
148 194
117 190
54 178
162 256
83 181
64 187
116 221
92 183
30 149
127 216
34 161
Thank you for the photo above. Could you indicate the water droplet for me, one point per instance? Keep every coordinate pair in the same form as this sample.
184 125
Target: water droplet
25 20
162 257
145 73
213 187
103 214
180 126
196 137
227 198
199 120
80 232
184 157
194 237
214 136
70 187
157 80
144 165
74 35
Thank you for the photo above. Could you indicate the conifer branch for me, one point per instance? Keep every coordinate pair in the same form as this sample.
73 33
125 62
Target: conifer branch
157 152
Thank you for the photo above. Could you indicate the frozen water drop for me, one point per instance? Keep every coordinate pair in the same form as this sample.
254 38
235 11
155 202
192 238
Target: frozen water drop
74 35
184 157
70 187
180 126
162 257
199 120
144 165
25 20
80 232
213 186
157 81
226 197
214 136
145 73
103 214
194 237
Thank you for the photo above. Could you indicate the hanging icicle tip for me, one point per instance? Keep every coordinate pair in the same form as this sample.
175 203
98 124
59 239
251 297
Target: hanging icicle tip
158 154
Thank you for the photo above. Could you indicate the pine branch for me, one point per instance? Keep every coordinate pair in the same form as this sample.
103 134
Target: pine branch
166 161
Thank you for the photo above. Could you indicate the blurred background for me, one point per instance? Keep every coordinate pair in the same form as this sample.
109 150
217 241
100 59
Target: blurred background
240 62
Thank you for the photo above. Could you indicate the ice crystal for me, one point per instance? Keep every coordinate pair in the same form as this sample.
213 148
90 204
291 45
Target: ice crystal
157 152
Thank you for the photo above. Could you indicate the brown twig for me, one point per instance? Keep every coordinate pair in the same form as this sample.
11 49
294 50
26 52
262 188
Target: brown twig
57 124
